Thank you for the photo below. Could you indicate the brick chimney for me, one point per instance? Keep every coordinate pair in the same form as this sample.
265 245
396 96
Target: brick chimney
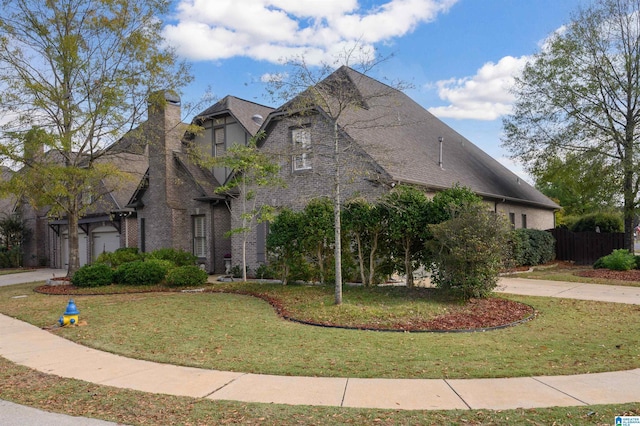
165 135
164 212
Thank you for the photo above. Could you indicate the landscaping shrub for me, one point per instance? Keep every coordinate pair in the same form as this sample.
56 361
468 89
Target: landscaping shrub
236 271
186 276
11 258
166 265
120 256
95 275
530 247
178 257
605 221
619 260
264 271
599 264
469 252
140 273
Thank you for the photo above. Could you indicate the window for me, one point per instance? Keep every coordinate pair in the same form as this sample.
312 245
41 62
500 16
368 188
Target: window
261 242
524 221
143 235
301 148
512 219
199 236
219 143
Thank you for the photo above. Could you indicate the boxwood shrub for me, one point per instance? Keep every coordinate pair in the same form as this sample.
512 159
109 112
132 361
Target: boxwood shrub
178 257
140 273
186 276
95 275
120 256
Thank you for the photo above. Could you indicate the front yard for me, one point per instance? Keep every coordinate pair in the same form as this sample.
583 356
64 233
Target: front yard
244 333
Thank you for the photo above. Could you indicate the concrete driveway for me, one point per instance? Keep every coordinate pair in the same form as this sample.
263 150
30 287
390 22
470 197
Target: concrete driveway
31 276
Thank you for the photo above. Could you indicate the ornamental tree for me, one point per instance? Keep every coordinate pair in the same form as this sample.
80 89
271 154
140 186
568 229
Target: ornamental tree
78 75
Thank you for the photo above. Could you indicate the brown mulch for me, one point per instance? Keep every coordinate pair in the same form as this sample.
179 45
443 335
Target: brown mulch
632 275
56 289
492 312
477 314
72 290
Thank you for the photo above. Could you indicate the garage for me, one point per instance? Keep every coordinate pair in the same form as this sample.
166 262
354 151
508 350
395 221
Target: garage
104 239
82 248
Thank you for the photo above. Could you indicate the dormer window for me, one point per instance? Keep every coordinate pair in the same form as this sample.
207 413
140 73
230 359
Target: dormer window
301 148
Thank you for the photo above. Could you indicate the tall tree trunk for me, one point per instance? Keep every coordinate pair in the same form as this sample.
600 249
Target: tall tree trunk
372 258
629 193
73 249
363 275
336 215
408 266
321 263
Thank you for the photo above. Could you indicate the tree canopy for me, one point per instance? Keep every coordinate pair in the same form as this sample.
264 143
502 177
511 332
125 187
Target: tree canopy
78 75
581 94
332 97
251 170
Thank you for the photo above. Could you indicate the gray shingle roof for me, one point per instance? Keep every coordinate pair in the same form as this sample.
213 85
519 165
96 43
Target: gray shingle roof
202 178
403 138
242 110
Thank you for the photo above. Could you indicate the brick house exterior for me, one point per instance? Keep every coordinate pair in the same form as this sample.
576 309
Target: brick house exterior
176 204
385 139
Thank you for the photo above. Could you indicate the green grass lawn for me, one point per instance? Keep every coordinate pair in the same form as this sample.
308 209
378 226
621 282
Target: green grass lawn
243 333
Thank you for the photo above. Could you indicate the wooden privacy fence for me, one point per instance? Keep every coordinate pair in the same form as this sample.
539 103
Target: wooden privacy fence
584 248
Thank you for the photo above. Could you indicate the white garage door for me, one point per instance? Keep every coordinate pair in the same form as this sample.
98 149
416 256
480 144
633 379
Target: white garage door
82 248
105 240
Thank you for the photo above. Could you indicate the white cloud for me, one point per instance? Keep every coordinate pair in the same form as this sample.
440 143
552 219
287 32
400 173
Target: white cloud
271 30
484 96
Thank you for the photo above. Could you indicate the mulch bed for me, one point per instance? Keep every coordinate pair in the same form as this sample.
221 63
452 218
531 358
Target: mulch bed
632 275
478 314
72 290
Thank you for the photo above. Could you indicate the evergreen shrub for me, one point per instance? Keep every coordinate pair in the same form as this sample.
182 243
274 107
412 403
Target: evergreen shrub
619 260
120 256
178 257
604 221
530 247
140 273
189 275
95 275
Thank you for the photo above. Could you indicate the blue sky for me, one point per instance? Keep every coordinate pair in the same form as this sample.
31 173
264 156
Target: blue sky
459 55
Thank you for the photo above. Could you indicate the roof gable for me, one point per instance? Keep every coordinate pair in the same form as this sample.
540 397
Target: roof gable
404 139
249 114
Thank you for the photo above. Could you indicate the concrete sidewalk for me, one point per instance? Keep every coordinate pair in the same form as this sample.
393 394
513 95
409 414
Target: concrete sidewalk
30 346
570 290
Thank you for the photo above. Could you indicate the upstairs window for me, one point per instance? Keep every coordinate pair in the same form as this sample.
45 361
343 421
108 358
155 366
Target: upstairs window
301 148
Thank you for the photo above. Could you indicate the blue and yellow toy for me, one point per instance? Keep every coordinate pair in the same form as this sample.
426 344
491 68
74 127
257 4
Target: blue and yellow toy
70 317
